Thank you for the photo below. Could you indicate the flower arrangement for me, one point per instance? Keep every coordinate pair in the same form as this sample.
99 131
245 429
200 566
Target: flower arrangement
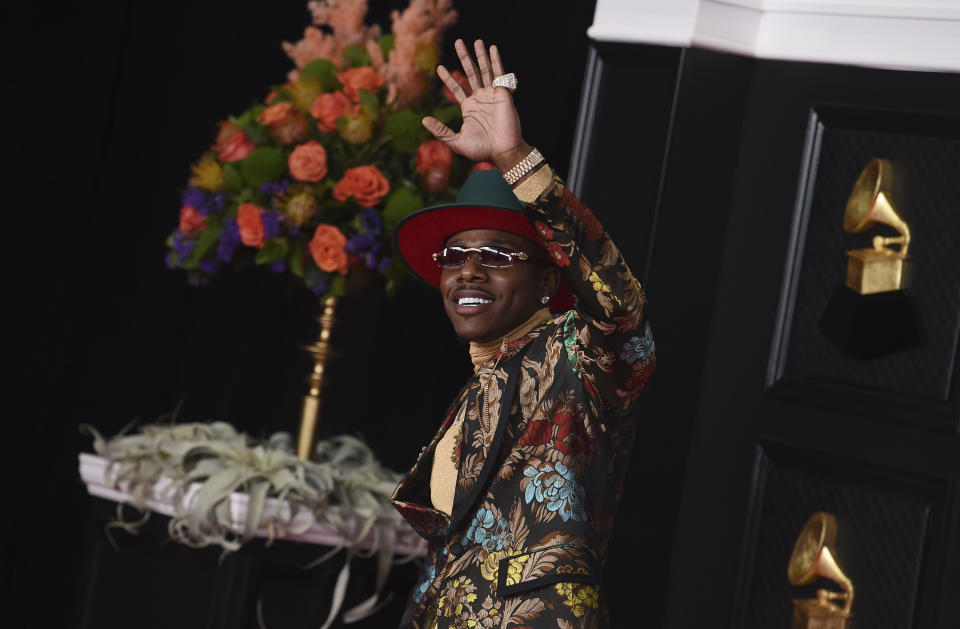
312 181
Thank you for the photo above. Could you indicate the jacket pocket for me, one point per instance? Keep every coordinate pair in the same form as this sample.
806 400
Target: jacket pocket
537 567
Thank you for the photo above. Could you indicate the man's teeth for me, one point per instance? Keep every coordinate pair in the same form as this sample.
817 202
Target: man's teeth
472 301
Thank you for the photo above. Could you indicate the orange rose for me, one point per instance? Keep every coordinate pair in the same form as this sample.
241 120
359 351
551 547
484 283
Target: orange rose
286 123
326 249
460 78
433 163
192 222
330 106
364 183
232 144
362 78
433 154
250 224
308 162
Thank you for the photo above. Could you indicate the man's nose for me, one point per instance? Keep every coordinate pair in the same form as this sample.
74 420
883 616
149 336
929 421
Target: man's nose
472 268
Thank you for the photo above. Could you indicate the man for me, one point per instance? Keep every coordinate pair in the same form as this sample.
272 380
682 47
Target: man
517 491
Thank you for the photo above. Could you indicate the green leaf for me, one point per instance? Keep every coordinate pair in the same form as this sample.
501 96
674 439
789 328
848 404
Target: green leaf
369 102
395 275
258 134
232 177
356 55
447 114
406 130
386 43
295 259
209 237
324 71
243 120
273 250
401 202
312 274
338 286
263 165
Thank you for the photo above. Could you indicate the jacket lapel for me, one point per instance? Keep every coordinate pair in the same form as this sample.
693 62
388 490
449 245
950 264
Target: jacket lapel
465 500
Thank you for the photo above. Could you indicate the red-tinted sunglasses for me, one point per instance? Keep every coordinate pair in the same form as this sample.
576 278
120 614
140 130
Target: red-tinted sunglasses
488 256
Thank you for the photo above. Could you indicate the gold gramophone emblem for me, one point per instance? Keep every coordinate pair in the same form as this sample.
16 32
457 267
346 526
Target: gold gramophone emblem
878 269
814 557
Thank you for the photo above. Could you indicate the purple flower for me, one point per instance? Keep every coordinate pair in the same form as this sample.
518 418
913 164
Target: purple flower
170 261
384 265
279 266
359 243
320 288
200 200
370 220
271 188
208 266
271 223
229 239
182 246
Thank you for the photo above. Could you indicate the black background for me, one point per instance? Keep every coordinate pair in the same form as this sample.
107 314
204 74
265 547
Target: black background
106 105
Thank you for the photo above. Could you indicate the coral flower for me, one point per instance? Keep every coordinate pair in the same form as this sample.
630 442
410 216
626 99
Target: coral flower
327 108
433 163
308 162
192 221
366 184
460 78
482 166
362 78
326 249
250 224
286 123
232 144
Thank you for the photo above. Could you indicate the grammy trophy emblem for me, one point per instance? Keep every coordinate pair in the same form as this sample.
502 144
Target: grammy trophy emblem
814 557
876 269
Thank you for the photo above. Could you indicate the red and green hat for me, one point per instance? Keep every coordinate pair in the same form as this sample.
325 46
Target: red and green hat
485 202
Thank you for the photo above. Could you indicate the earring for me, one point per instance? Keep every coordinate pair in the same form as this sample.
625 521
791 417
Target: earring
545 299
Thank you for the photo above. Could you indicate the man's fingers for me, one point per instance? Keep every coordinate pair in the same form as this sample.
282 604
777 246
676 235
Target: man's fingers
439 130
469 67
452 84
496 62
485 71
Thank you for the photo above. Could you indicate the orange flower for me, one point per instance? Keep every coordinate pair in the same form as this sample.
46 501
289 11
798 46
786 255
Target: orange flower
330 106
362 78
192 222
308 162
286 123
433 163
326 249
482 166
232 144
250 224
364 183
433 154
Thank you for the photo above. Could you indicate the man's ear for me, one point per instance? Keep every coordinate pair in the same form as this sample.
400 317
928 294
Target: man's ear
550 281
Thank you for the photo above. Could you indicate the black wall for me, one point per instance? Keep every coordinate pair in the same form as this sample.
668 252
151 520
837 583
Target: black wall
106 104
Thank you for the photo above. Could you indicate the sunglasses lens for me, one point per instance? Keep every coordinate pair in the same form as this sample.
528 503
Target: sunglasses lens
491 257
496 258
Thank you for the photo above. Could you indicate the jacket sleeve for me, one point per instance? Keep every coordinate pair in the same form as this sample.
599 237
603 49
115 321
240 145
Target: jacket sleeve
608 340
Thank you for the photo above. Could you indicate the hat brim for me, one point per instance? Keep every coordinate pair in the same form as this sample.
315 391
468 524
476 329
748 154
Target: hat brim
421 234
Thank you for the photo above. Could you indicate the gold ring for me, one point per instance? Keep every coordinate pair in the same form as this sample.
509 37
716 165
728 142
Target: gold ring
508 81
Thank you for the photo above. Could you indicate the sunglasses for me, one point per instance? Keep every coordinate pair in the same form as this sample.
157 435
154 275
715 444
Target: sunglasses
491 257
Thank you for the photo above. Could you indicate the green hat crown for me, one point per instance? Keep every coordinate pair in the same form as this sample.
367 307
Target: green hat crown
488 188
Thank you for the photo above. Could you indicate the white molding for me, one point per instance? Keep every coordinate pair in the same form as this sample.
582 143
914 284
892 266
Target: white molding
159 496
665 22
900 34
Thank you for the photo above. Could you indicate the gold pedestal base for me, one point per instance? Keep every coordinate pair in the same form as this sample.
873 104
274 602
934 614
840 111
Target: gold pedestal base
312 402
809 613
871 271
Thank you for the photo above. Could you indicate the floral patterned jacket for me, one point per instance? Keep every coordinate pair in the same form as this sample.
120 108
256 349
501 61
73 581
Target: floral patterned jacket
535 501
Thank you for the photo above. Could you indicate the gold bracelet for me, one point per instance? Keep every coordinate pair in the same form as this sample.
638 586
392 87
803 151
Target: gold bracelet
524 166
